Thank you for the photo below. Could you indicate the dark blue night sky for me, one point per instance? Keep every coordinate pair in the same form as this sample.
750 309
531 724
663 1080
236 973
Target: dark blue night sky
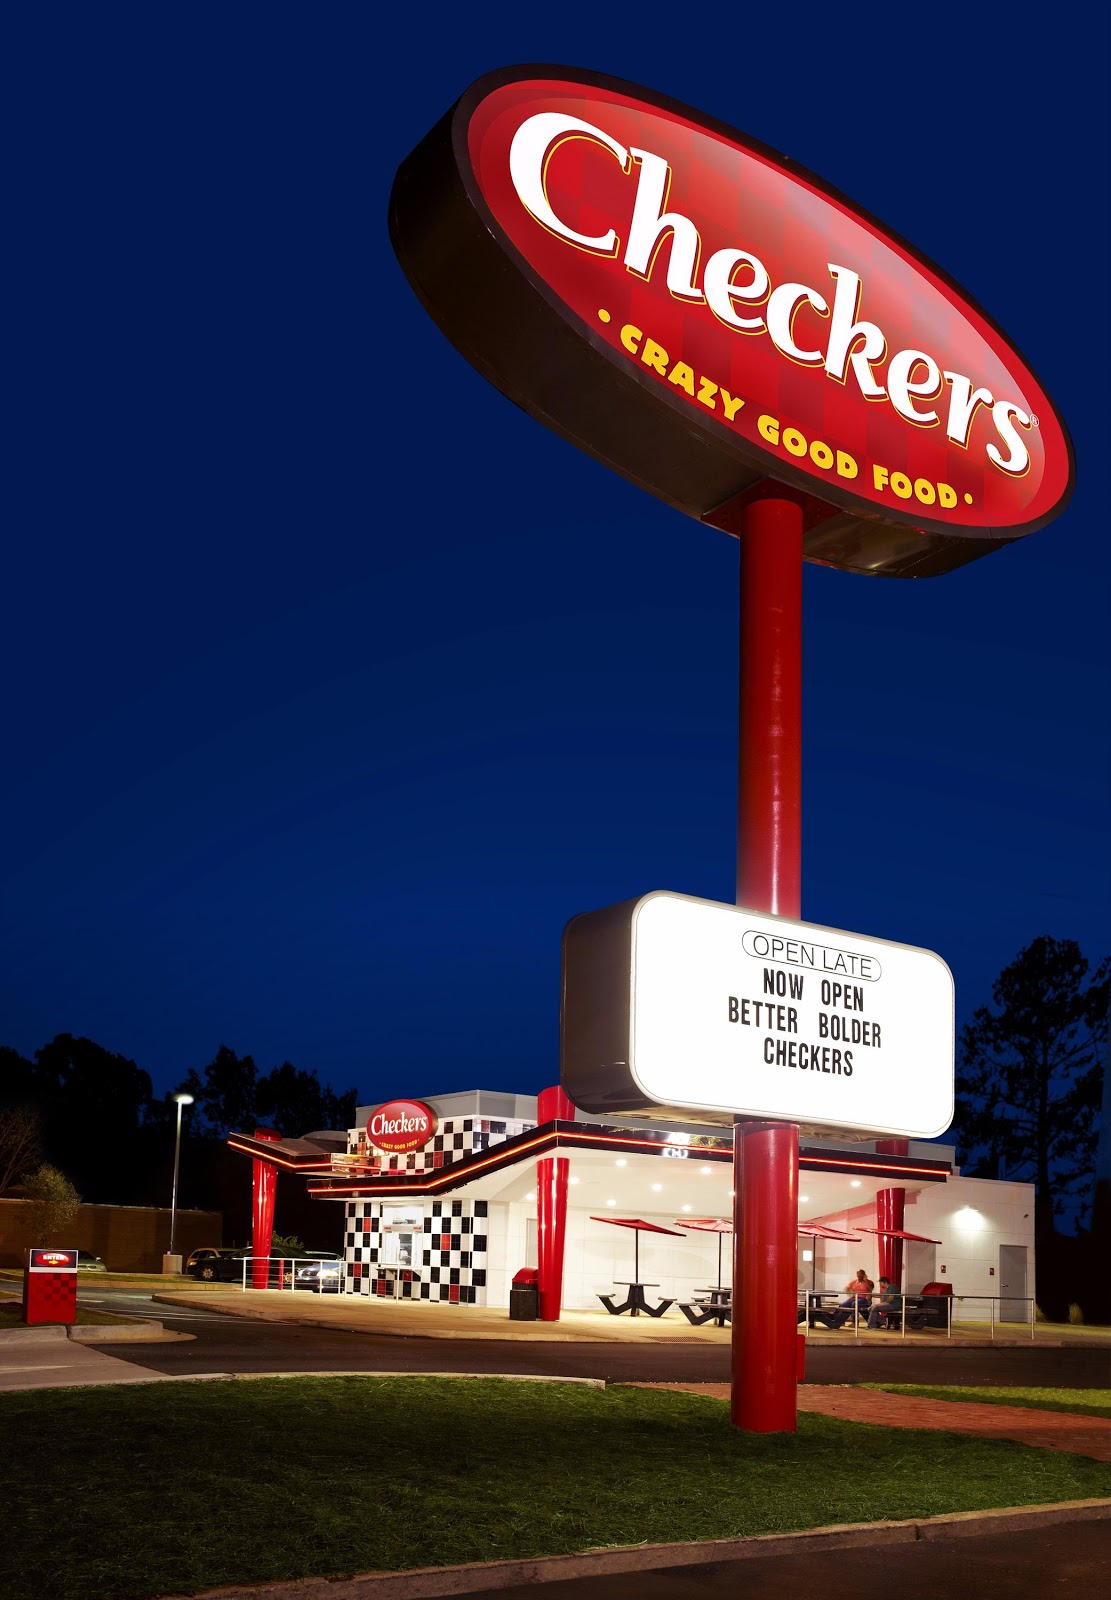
335 684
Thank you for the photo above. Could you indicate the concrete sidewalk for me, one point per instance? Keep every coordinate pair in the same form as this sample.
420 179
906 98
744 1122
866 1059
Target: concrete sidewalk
45 1358
425 1320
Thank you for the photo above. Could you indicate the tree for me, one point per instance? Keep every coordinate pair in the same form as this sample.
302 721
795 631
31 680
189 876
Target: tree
17 1078
54 1204
225 1095
93 1103
20 1145
1029 1078
295 1102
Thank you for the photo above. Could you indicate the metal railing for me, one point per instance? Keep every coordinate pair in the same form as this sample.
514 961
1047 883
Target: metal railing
994 1320
810 1298
287 1269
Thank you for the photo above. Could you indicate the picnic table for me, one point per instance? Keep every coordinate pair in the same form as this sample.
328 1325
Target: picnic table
634 1302
714 1303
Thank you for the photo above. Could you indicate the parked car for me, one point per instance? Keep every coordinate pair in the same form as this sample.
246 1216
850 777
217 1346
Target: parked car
322 1277
87 1262
226 1266
216 1266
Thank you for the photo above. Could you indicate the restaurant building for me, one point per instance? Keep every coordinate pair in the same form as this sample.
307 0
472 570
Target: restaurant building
494 1182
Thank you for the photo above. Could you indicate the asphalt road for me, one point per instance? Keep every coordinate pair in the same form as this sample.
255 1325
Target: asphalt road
1073 1559
233 1344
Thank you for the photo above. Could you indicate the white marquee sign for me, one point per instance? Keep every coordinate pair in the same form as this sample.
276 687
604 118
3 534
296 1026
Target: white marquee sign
672 1002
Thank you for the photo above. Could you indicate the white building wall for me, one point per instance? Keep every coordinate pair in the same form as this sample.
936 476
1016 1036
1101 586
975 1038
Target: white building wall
971 1217
597 1254
505 1250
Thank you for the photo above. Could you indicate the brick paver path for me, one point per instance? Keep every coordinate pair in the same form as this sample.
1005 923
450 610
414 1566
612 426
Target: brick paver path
1049 1430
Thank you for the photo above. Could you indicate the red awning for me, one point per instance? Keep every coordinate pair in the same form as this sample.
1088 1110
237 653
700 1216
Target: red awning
819 1230
705 1224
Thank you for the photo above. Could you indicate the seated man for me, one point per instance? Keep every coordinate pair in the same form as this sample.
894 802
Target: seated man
888 1308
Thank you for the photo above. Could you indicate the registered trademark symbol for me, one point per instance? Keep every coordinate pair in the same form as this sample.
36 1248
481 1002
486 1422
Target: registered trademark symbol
1034 422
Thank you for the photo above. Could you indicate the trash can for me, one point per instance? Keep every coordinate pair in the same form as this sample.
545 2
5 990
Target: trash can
524 1296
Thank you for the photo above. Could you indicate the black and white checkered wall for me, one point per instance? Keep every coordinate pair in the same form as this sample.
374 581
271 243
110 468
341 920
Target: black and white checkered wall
452 1254
452 1262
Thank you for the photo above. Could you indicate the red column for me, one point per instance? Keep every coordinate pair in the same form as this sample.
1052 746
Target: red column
551 1207
769 864
264 1184
769 790
890 1213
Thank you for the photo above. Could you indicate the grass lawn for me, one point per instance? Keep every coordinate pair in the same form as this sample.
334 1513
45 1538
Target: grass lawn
1087 1402
307 1476
11 1316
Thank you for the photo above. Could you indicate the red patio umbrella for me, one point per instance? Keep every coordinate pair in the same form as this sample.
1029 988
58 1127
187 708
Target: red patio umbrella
821 1230
708 1225
901 1233
639 1226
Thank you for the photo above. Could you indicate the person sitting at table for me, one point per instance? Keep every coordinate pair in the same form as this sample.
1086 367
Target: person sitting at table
888 1307
859 1290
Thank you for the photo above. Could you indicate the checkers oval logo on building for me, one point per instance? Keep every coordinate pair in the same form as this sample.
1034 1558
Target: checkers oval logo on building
401 1126
701 313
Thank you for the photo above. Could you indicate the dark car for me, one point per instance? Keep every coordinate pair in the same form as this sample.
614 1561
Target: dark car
216 1266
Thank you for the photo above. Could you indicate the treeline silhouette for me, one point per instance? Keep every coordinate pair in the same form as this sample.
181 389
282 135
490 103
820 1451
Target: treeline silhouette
97 1118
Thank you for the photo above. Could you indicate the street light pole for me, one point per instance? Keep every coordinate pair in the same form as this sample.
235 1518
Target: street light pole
172 1262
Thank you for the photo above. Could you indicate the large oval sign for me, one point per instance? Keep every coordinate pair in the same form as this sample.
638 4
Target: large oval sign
401 1126
701 314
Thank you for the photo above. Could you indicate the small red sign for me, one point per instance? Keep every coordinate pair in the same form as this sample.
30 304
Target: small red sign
401 1126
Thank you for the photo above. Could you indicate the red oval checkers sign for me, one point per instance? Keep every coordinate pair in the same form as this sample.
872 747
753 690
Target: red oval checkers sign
702 315
401 1126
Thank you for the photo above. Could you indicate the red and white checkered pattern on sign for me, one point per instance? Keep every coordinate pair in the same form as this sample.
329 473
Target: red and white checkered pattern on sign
460 1137
50 1297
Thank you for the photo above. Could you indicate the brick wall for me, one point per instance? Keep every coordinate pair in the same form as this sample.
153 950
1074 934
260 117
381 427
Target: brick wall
127 1238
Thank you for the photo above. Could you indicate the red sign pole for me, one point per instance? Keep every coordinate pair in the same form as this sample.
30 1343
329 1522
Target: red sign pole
769 854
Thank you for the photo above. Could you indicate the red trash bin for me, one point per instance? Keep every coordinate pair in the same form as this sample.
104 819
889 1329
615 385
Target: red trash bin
524 1296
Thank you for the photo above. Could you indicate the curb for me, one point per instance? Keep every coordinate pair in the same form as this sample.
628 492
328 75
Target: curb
361 1372
145 1330
429 1583
48 1331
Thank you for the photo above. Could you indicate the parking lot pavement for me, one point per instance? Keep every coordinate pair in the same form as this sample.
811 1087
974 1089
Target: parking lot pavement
231 1344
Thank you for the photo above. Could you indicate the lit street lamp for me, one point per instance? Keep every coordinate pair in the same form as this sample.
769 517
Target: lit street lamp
172 1262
